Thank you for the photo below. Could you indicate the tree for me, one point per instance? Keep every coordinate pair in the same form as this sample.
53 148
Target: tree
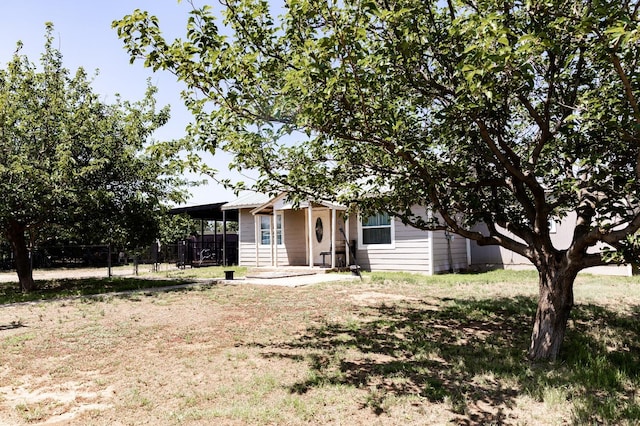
503 112
177 227
72 166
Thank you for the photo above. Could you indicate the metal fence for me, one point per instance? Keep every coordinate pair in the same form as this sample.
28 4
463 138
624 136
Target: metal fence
204 251
208 251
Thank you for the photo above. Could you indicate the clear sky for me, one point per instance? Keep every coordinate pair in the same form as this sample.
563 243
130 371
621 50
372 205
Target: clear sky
85 38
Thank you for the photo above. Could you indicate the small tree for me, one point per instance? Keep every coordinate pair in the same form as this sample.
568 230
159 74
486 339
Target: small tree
71 165
174 228
502 112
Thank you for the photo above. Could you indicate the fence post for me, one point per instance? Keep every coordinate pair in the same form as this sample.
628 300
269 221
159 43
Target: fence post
109 261
135 265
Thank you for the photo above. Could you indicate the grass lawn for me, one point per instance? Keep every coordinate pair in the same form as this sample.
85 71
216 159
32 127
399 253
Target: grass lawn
396 349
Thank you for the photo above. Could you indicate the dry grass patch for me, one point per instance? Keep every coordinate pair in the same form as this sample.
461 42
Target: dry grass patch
393 350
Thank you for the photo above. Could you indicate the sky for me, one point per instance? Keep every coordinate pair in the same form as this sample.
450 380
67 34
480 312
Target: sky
83 34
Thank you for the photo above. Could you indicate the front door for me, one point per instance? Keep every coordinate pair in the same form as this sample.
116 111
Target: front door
321 231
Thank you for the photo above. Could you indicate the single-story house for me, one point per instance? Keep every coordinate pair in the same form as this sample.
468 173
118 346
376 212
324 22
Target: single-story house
275 233
561 235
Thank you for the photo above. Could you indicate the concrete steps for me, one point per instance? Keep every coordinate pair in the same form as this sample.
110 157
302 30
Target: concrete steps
284 271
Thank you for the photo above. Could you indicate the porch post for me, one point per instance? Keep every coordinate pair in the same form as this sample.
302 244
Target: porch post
333 237
310 233
274 246
256 230
347 244
430 235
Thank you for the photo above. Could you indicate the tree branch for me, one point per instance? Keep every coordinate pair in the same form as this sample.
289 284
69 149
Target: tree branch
633 102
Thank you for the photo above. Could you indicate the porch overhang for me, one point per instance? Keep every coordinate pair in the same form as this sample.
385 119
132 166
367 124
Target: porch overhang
280 202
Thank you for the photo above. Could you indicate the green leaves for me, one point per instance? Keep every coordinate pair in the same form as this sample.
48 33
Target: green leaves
505 113
73 166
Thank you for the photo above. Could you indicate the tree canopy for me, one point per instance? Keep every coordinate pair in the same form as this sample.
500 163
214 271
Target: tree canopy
74 167
503 112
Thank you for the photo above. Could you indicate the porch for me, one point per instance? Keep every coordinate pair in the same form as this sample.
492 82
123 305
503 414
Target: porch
311 234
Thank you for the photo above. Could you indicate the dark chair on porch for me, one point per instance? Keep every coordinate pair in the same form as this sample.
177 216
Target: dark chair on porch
340 256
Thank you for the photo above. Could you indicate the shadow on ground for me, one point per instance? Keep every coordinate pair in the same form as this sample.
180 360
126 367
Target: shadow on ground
12 325
471 355
56 289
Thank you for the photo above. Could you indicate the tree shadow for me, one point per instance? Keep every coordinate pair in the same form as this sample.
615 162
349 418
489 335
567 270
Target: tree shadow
12 325
471 355
123 287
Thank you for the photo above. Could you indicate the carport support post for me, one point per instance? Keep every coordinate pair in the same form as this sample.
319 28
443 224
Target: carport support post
201 240
224 238
215 239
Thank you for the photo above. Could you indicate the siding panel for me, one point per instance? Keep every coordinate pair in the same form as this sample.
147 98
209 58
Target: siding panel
449 254
410 252
294 238
247 239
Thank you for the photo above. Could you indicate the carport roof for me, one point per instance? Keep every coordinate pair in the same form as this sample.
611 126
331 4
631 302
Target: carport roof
207 212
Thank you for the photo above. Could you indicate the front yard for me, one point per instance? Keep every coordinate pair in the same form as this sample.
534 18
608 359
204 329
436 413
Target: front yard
396 349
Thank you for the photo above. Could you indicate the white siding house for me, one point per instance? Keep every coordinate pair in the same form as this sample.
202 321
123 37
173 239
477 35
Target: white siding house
561 235
274 233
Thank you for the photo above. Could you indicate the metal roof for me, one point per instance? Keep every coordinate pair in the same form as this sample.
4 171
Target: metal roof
247 200
260 202
207 212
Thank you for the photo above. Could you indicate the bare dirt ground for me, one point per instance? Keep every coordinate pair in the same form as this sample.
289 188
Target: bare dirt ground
234 355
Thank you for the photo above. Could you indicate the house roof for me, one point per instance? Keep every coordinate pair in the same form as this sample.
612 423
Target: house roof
263 203
247 200
281 203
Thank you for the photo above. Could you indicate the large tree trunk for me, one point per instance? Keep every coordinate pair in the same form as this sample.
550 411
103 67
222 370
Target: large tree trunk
554 306
15 235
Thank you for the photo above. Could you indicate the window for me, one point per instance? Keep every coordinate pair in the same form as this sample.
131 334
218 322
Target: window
279 229
265 230
319 230
376 229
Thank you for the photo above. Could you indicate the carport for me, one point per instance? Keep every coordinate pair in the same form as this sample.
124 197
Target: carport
211 212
